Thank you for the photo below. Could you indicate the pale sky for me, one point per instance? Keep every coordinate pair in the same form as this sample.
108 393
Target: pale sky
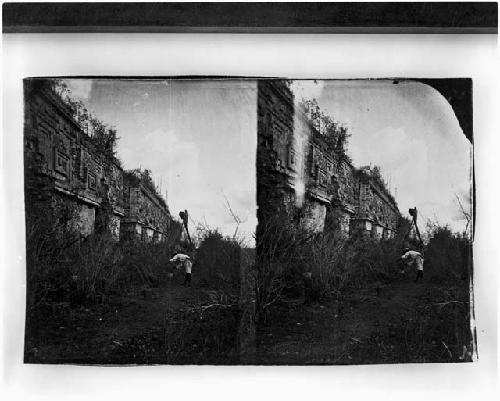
199 139
411 132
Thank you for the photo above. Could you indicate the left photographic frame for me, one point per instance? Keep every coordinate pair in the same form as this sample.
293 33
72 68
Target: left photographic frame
140 219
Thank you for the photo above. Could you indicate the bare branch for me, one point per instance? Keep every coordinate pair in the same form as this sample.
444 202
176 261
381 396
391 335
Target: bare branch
466 214
235 217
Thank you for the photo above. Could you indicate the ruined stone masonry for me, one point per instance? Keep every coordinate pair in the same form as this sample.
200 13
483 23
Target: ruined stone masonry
61 161
299 173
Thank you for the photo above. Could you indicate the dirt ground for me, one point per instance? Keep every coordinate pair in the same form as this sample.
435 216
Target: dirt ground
102 334
401 322
398 322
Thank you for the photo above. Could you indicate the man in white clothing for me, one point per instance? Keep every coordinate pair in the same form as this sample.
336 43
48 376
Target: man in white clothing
185 261
414 258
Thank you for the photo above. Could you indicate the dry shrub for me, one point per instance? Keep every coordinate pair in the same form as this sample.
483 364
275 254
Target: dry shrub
292 260
279 260
62 266
372 261
50 241
328 258
337 262
145 264
97 268
118 267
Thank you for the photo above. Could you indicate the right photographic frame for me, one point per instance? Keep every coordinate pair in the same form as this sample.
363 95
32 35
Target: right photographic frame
365 221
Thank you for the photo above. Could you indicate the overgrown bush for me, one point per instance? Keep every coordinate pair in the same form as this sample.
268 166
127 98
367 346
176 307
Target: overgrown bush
145 264
448 255
292 260
63 266
217 261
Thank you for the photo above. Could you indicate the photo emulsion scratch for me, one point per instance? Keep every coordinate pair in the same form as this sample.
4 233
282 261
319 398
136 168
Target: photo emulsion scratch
248 221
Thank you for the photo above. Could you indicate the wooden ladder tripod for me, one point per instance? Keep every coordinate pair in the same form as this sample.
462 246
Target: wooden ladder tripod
413 213
185 219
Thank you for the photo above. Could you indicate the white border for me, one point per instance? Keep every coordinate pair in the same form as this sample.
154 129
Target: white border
297 56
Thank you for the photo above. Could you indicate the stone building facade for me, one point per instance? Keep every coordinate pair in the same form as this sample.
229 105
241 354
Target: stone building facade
301 174
147 216
62 161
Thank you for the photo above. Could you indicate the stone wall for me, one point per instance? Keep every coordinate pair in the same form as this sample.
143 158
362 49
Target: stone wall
60 158
275 117
376 205
298 173
145 212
